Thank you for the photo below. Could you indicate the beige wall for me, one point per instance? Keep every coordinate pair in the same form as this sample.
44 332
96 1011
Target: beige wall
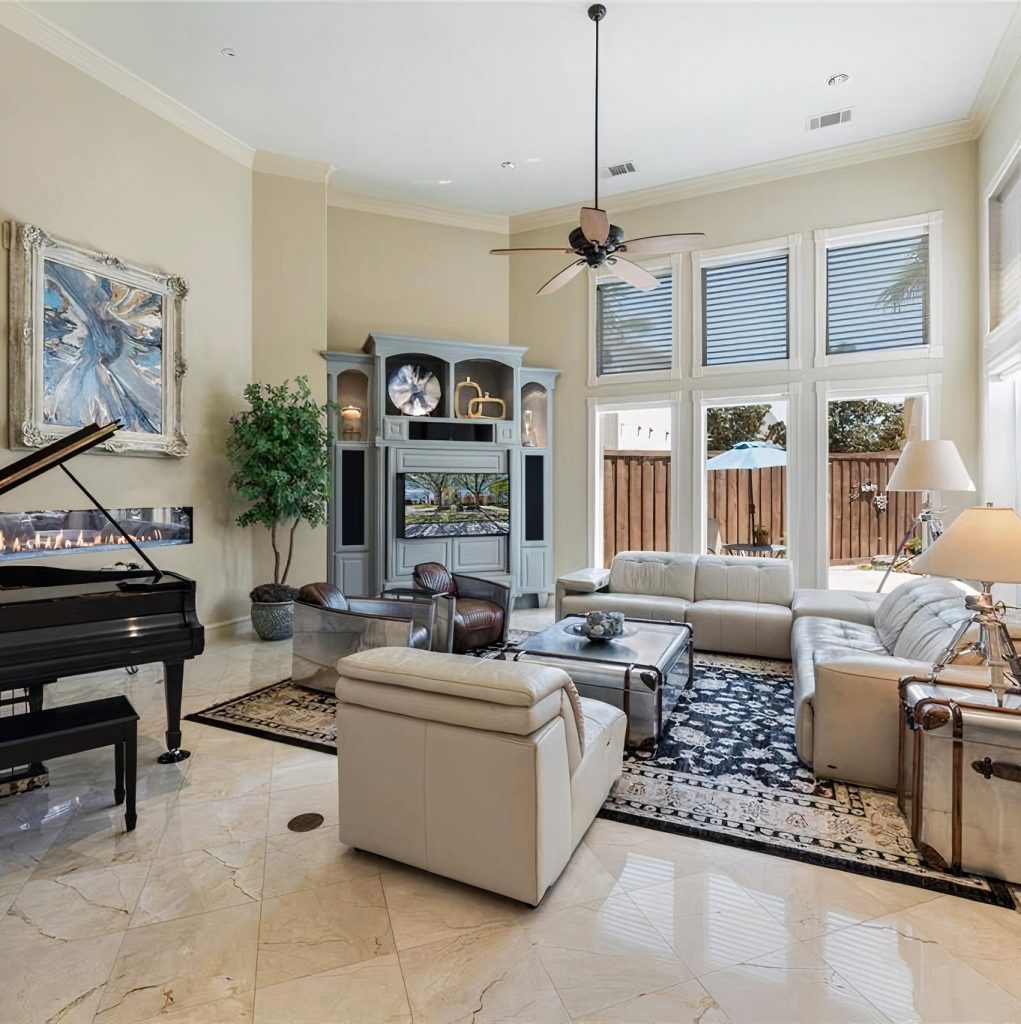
399 276
89 166
289 323
556 327
1002 130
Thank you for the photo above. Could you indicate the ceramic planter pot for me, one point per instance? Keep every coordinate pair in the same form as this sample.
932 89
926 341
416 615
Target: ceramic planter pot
273 620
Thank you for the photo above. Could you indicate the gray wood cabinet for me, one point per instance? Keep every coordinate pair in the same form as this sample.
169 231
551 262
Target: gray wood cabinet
495 432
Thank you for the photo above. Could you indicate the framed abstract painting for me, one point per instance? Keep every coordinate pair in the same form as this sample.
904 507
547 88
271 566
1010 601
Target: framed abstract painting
93 339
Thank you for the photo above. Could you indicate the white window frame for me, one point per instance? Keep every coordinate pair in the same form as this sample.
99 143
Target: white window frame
927 385
930 223
596 407
789 246
703 400
1004 337
671 263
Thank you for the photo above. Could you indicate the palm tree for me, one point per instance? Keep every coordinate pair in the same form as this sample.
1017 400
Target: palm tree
912 281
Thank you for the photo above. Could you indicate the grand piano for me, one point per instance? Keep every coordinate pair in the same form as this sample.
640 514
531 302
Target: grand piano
57 622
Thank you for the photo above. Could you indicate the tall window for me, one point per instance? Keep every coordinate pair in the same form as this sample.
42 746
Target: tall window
1005 248
634 329
745 311
877 295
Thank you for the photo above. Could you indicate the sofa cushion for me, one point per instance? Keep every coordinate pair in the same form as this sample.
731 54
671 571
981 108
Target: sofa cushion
901 605
634 606
932 628
654 574
741 627
848 605
733 578
434 577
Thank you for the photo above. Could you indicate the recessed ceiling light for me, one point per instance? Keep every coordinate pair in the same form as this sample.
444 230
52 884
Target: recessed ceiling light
532 160
444 181
838 79
508 165
228 52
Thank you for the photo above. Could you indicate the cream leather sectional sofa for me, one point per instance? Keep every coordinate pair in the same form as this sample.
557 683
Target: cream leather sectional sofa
734 604
848 653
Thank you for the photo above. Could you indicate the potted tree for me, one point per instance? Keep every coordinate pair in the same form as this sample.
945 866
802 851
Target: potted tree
280 453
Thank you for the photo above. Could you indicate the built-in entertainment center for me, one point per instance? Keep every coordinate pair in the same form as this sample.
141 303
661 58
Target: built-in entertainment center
443 453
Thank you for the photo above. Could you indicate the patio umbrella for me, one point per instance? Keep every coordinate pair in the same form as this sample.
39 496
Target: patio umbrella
749 455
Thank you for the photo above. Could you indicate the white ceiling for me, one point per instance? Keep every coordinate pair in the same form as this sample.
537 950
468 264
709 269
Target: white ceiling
401 95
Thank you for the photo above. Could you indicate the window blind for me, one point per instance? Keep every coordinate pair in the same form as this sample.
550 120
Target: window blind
877 295
634 332
744 311
1005 249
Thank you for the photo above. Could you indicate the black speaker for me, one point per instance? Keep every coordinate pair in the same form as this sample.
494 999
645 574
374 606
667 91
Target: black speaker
535 497
352 497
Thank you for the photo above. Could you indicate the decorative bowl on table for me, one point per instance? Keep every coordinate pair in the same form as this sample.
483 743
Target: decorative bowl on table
602 626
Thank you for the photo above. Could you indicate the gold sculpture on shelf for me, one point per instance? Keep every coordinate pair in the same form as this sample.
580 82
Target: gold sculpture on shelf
465 385
476 405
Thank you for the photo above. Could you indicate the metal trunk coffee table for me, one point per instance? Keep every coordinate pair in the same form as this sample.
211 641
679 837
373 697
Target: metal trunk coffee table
629 672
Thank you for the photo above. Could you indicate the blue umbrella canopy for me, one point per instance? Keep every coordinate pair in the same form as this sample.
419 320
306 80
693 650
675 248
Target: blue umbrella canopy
749 455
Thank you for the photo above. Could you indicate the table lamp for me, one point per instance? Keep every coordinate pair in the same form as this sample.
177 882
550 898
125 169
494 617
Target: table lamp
926 466
981 544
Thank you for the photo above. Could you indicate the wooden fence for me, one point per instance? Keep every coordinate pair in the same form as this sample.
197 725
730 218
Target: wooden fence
636 504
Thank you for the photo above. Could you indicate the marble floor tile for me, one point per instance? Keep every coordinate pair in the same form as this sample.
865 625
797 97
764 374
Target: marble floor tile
913 979
791 984
603 953
811 901
77 905
210 823
295 766
686 1003
710 921
212 878
172 970
424 908
480 977
987 939
314 930
309 860
371 992
210 779
320 798
48 980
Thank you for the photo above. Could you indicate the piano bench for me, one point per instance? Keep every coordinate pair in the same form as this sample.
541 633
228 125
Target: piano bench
72 728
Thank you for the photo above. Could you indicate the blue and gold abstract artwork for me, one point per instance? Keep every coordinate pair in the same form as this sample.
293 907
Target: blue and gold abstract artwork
103 350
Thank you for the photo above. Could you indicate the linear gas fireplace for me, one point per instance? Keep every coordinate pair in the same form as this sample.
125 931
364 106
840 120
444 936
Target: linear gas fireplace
49 532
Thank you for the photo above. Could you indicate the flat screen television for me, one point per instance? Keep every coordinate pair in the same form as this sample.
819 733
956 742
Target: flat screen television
453 505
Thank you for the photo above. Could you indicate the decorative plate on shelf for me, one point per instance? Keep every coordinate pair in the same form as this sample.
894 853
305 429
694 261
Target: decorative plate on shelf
414 390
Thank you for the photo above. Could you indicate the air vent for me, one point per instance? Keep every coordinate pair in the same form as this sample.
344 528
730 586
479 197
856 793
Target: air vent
830 120
616 170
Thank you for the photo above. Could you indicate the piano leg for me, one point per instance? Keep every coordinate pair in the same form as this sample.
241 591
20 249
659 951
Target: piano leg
173 686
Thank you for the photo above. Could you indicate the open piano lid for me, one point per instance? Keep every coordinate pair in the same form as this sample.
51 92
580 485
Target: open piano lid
54 454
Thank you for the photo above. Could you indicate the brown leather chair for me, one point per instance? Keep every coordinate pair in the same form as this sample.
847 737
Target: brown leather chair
329 626
479 608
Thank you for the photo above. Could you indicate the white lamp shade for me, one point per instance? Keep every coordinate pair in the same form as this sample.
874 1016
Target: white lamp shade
980 544
930 466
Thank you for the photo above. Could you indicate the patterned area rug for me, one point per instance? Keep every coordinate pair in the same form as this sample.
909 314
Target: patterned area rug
726 770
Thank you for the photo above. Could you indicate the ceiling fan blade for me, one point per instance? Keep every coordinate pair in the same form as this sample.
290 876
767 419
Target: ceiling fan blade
635 275
595 225
507 252
663 243
559 280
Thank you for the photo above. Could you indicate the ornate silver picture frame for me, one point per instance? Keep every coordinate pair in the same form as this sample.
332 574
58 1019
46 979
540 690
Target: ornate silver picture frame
93 339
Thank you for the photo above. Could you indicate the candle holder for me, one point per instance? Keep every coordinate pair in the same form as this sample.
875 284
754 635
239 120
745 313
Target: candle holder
351 423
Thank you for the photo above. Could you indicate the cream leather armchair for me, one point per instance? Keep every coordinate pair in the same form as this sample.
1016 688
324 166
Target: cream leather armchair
493 770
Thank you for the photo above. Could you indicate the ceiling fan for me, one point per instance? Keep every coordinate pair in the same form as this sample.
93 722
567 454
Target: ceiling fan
596 241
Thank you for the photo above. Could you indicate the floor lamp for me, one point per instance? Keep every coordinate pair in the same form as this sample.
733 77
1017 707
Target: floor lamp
926 466
981 544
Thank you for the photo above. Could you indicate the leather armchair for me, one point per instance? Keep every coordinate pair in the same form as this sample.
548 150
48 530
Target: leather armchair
493 771
329 626
475 611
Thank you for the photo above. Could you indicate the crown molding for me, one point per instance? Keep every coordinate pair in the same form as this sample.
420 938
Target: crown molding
1007 54
50 37
285 166
758 174
474 221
